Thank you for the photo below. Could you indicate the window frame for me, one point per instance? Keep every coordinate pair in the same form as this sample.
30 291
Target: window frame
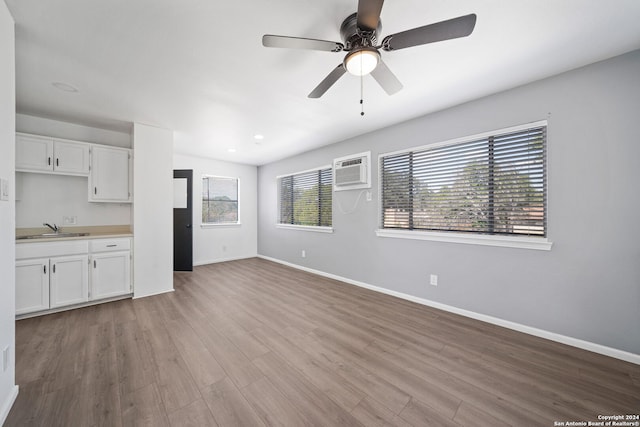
500 240
312 228
220 224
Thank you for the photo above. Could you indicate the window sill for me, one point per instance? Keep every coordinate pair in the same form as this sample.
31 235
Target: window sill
535 243
313 228
222 225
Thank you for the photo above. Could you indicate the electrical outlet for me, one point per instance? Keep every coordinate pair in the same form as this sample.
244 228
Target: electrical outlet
433 280
70 220
304 253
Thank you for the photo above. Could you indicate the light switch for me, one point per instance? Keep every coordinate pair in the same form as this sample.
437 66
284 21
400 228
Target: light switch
4 189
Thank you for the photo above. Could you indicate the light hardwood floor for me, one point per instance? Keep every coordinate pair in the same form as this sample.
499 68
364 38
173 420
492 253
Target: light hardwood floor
253 343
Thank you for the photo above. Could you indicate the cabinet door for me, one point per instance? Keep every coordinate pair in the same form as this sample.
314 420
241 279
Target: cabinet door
69 280
34 153
32 285
110 274
110 175
71 157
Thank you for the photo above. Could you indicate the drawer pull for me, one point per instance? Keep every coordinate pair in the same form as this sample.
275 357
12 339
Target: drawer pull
111 246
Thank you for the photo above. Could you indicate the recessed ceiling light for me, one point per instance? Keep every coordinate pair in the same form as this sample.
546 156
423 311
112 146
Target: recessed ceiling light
231 150
65 87
258 137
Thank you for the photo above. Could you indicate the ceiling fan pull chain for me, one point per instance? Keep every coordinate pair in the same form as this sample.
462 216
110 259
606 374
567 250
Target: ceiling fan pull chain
362 95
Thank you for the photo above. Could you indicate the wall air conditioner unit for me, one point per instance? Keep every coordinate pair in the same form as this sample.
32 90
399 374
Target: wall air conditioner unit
352 172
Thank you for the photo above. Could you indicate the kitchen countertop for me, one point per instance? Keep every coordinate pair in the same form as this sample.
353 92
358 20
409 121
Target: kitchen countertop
94 232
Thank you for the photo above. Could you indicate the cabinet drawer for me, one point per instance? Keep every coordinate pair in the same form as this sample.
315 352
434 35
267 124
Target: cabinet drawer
50 249
107 245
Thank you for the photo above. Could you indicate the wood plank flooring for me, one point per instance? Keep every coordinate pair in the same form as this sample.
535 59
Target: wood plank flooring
254 343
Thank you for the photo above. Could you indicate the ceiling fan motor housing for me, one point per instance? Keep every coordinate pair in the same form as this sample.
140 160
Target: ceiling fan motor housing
360 32
355 37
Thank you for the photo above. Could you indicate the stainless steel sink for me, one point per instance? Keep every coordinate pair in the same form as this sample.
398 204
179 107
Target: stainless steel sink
51 235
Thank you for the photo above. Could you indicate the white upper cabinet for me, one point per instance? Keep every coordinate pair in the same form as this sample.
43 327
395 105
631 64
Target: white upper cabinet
50 155
34 153
110 169
111 177
71 157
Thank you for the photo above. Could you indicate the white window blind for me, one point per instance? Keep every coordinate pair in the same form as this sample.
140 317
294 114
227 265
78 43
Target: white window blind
305 198
219 200
491 185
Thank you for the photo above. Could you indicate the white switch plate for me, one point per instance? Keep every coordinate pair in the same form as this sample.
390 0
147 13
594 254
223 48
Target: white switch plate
4 189
5 359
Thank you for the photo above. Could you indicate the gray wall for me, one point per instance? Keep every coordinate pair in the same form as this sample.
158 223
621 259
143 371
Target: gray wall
587 287
221 243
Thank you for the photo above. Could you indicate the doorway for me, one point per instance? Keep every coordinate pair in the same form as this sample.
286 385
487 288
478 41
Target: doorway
183 220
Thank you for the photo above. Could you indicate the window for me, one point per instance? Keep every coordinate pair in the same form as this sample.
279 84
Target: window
220 200
305 198
492 185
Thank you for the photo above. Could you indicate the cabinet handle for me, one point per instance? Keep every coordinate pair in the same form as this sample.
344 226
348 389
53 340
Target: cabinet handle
57 162
94 263
49 161
45 269
54 268
95 190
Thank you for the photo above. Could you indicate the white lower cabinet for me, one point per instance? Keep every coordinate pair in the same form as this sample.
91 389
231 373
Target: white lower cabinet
56 274
32 285
69 280
110 274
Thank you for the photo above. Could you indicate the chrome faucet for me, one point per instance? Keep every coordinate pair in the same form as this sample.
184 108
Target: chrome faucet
54 227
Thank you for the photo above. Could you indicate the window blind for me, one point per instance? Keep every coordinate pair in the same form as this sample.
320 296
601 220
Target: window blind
493 185
306 198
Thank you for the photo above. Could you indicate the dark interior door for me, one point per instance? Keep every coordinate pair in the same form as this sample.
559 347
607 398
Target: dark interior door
182 220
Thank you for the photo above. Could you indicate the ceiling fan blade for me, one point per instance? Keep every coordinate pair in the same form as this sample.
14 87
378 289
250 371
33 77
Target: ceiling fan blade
454 28
386 78
328 82
369 14
269 40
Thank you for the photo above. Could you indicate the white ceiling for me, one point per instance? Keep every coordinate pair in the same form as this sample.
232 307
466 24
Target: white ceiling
198 67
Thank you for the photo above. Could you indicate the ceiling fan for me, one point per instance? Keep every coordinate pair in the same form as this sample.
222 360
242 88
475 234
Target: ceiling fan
359 33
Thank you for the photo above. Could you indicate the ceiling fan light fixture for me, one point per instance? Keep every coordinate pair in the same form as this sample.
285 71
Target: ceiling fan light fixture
361 62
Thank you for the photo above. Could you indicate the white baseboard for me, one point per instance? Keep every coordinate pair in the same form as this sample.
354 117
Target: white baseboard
72 307
217 260
152 294
552 336
7 404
